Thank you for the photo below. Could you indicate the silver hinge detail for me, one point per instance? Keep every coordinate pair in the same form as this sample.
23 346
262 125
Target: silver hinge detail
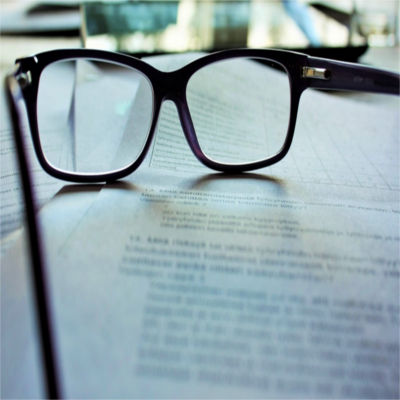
24 79
316 73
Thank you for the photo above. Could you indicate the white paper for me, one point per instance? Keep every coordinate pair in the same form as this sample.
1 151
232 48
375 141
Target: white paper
283 283
22 374
11 203
208 293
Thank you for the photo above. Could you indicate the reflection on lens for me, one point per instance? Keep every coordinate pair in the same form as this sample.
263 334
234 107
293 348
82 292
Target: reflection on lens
93 116
240 109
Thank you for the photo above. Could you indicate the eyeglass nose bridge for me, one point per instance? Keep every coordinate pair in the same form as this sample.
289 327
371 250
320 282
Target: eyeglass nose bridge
172 86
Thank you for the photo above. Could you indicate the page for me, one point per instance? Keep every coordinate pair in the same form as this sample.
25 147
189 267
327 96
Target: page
11 206
211 294
281 283
20 357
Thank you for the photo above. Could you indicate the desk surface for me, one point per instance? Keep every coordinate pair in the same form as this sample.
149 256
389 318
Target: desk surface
311 309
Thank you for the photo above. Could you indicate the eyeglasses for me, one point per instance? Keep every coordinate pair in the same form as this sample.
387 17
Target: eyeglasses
88 109
93 113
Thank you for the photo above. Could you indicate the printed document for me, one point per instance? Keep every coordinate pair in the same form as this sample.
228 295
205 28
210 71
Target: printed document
179 282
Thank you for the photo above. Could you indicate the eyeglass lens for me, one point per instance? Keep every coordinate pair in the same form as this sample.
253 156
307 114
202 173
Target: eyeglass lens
93 116
240 110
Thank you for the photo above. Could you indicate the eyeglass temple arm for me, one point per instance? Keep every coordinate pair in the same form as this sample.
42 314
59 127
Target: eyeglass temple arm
338 75
38 272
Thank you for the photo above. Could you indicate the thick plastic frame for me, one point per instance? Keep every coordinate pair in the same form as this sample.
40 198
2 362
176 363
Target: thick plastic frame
330 74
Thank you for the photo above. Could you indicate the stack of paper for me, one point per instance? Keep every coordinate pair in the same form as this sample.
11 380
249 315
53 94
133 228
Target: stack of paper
178 282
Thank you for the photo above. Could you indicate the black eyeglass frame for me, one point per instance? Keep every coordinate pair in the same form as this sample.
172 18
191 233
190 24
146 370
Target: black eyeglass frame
303 72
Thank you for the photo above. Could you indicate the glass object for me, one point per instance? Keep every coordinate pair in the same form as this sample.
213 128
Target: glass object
93 113
93 116
245 122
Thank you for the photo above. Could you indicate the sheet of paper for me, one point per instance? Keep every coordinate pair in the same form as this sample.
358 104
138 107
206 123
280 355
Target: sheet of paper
22 374
283 283
11 206
210 293
180 282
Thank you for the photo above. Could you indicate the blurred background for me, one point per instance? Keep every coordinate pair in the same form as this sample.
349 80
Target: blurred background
342 29
215 24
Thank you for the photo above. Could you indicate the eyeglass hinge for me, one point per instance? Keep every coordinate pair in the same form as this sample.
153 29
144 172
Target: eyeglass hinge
24 79
316 73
